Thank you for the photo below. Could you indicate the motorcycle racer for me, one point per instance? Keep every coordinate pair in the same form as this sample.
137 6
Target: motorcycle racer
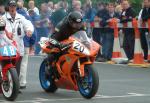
71 24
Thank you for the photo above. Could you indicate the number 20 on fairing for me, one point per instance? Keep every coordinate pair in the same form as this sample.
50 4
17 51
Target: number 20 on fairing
81 48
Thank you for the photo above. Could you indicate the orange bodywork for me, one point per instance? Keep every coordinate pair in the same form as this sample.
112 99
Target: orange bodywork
65 65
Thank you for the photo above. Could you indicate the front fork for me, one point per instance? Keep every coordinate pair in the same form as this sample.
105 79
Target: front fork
81 66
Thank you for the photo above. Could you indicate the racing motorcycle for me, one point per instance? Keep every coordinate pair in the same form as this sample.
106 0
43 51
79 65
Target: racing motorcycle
72 68
9 81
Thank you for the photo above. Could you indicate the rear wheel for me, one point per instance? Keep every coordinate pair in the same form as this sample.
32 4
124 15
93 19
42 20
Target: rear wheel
46 80
88 85
10 87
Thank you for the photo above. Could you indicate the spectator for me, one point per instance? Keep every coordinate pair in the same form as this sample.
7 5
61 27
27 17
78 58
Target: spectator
2 9
50 7
28 41
118 9
100 6
108 33
126 16
90 13
31 5
77 6
72 6
98 32
20 4
21 9
45 16
59 14
43 25
66 6
35 19
18 26
144 15
33 40
23 70
55 7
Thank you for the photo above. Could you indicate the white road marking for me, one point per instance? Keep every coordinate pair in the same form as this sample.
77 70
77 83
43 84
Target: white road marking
40 100
110 64
136 94
124 96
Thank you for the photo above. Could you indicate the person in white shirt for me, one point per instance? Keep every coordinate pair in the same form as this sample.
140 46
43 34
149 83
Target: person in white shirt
18 26
5 37
31 5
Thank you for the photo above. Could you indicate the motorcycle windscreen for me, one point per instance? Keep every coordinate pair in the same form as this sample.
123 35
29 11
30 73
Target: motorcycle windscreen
92 46
83 38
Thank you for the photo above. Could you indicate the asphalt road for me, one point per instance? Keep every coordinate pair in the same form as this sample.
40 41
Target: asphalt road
118 84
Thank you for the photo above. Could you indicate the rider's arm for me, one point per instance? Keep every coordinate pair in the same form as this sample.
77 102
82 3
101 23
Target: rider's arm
54 42
59 31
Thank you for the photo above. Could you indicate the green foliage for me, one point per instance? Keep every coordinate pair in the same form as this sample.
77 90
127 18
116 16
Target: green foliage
3 2
137 5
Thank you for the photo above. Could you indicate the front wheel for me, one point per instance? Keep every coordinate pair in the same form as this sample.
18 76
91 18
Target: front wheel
10 87
46 80
88 85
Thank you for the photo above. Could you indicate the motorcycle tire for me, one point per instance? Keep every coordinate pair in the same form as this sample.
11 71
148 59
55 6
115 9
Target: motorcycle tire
10 87
46 80
89 84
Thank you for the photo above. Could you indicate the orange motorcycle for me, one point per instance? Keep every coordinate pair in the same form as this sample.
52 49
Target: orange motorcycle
72 67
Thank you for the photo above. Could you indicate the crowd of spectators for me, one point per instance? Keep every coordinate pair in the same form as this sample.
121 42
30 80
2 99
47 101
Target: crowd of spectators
124 12
48 15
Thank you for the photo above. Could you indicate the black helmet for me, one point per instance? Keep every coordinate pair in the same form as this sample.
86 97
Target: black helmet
2 24
75 16
75 19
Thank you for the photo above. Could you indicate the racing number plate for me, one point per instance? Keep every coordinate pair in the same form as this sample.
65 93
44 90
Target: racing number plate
78 47
8 51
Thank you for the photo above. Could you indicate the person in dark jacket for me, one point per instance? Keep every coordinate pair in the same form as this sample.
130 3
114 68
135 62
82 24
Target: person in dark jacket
144 15
35 38
108 33
71 24
59 14
90 13
98 32
126 16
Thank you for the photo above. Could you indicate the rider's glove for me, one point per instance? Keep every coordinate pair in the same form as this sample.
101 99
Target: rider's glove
64 46
54 42
59 45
